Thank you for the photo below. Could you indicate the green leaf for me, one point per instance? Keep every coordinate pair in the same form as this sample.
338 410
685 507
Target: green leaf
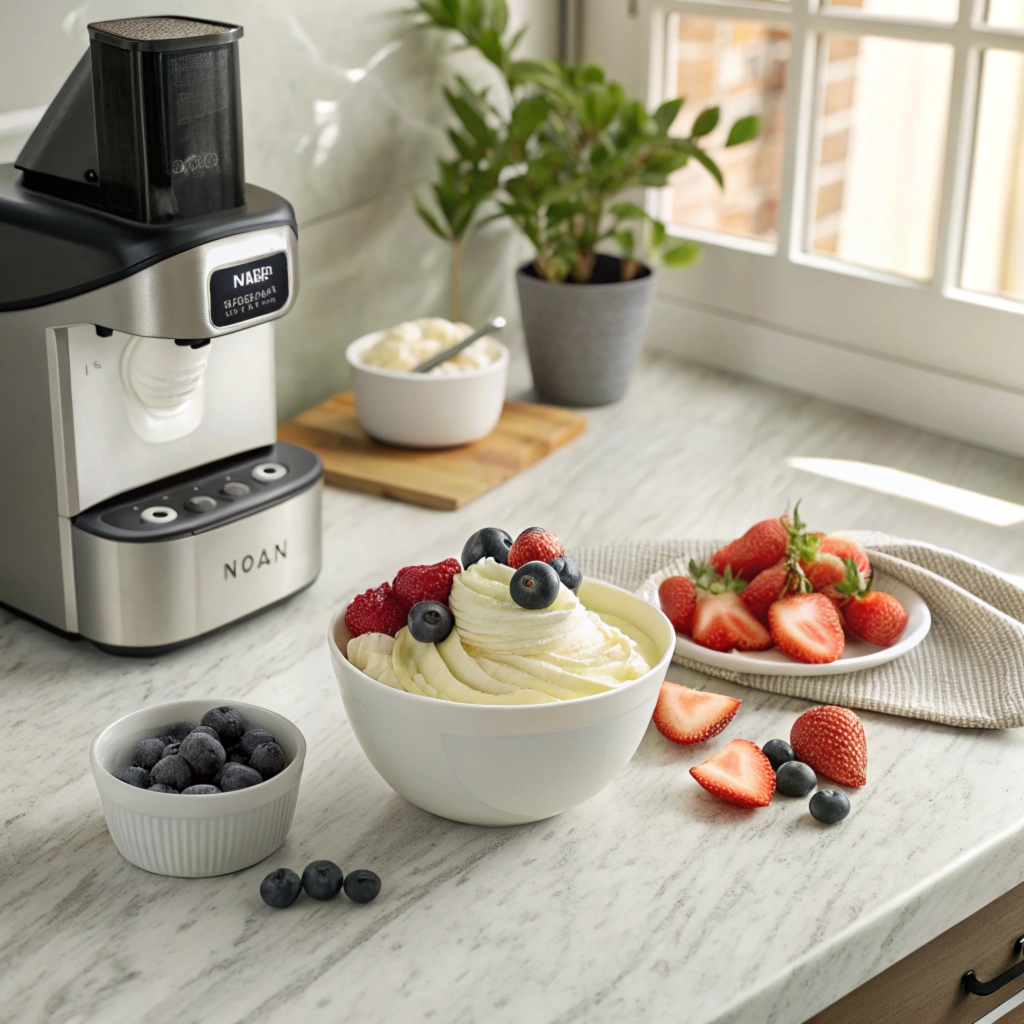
527 115
628 211
705 123
698 154
432 222
472 119
657 234
745 129
666 114
681 255
625 240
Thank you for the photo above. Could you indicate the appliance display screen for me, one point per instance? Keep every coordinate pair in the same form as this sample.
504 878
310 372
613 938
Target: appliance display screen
249 290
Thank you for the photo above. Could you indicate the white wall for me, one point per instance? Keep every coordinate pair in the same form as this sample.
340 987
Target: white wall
344 117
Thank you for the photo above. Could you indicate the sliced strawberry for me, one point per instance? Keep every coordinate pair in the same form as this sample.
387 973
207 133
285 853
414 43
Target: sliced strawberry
831 740
375 611
843 548
739 773
678 596
758 549
417 583
722 622
691 716
807 628
766 588
534 545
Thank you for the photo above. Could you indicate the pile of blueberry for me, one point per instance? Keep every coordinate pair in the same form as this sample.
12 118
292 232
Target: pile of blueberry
794 778
322 880
217 756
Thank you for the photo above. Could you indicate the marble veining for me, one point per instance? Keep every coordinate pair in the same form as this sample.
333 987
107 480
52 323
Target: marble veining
652 901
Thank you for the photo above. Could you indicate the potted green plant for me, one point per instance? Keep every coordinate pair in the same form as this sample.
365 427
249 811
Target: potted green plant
563 154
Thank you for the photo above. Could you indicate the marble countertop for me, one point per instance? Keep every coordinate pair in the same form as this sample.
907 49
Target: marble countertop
651 901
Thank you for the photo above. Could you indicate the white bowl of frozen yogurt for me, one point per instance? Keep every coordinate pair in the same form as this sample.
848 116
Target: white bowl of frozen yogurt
520 714
456 403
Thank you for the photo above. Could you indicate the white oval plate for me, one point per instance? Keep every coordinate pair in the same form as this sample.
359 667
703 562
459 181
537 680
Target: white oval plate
856 656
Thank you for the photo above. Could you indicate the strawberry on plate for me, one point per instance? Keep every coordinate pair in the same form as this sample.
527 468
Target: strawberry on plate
417 583
690 716
678 596
375 611
761 546
871 614
824 573
843 548
722 622
768 586
831 740
807 627
739 774
534 545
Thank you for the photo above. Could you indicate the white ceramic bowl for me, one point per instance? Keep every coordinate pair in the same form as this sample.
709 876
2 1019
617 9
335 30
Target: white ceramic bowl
505 765
195 836
420 410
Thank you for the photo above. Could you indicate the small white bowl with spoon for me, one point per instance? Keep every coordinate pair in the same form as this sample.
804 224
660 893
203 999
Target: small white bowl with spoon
416 408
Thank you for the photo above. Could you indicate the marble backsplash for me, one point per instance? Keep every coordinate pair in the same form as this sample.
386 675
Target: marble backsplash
344 116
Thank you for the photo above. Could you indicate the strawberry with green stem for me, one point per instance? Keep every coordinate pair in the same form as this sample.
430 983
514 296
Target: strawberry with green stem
872 614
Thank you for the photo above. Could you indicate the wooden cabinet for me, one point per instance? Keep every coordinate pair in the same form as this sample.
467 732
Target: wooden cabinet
925 987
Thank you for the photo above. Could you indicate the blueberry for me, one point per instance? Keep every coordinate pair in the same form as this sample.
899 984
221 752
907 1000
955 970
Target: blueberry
134 776
204 754
535 586
171 749
228 723
778 753
361 886
322 880
159 787
830 806
489 542
203 789
179 730
147 753
794 778
430 622
280 888
238 776
165 740
206 731
173 771
568 572
268 759
237 756
253 738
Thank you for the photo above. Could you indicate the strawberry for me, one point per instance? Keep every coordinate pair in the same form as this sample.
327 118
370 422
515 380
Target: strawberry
417 583
690 716
375 611
534 545
831 740
843 549
678 596
767 587
758 549
739 774
824 573
722 622
871 614
807 627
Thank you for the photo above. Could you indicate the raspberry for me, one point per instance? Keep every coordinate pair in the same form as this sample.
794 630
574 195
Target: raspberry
417 583
534 545
375 611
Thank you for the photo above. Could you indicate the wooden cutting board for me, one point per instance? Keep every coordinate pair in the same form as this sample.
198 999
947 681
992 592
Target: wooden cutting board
444 479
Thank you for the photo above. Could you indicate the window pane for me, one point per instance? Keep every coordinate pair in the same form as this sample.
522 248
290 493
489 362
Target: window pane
927 10
739 66
1006 13
881 138
994 241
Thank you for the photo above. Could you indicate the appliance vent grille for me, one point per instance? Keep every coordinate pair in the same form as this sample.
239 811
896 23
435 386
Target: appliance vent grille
156 29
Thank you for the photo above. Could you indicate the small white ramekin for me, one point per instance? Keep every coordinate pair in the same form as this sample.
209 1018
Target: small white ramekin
195 836
422 410
500 764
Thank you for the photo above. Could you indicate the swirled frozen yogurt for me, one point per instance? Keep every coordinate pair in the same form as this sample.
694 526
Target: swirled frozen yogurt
495 651
406 345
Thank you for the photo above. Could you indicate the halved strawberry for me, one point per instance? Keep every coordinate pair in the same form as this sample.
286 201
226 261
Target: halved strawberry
760 547
831 740
871 614
722 622
417 583
690 716
739 774
678 596
534 545
375 611
843 548
807 628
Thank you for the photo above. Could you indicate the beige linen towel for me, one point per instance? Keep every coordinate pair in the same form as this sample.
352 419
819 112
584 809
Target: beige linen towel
968 671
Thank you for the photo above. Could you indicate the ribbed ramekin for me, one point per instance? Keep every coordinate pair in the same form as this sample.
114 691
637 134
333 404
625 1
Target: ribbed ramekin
195 836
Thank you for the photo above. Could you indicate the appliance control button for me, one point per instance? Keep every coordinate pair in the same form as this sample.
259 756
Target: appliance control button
269 471
159 514
201 503
235 489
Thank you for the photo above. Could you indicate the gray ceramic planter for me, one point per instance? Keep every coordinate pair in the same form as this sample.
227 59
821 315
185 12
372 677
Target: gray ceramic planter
584 339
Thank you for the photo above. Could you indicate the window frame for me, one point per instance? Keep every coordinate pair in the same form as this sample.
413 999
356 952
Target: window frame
935 325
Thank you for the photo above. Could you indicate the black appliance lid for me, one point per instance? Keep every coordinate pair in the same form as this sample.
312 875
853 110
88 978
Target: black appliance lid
163 32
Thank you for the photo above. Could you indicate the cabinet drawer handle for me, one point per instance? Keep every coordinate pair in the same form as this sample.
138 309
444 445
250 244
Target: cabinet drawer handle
986 988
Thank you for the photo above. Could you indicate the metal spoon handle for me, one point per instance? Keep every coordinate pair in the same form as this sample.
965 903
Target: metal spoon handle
494 324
